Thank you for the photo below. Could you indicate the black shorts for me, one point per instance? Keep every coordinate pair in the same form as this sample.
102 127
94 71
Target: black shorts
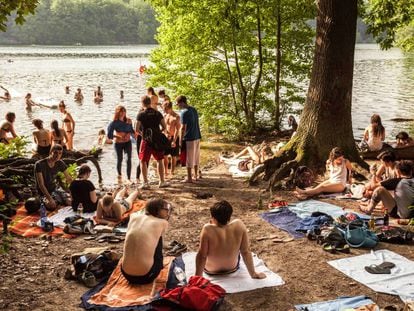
43 150
174 152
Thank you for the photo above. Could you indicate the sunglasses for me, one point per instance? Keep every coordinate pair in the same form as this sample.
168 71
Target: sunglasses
168 208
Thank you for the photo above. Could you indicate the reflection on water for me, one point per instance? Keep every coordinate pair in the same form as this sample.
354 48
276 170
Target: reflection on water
382 84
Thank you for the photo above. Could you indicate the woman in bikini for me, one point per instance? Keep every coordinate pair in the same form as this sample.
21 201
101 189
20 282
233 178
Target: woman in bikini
7 127
68 124
58 135
339 174
42 138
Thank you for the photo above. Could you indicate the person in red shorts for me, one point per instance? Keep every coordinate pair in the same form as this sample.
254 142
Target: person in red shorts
150 121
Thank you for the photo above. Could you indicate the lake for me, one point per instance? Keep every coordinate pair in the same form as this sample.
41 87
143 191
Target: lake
383 84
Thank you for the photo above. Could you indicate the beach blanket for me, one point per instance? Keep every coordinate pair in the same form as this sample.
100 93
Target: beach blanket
25 225
238 281
284 219
64 212
118 294
399 282
341 304
305 209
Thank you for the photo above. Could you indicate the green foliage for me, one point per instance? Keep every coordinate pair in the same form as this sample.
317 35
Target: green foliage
86 22
72 171
6 239
221 54
15 148
386 18
21 7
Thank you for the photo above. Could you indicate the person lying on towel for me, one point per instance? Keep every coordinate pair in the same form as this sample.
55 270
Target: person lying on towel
221 244
143 260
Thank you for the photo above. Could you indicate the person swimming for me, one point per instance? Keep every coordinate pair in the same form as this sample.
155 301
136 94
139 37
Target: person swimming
78 97
6 96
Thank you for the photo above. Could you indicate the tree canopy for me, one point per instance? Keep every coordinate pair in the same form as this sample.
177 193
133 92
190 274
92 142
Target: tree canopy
240 62
21 7
85 22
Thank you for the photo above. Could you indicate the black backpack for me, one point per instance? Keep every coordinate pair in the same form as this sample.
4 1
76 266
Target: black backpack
157 140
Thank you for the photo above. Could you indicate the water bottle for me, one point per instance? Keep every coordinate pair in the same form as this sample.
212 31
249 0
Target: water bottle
386 217
80 209
180 275
43 215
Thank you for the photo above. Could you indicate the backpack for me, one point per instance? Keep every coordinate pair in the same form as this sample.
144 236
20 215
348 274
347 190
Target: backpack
157 140
358 235
199 294
303 177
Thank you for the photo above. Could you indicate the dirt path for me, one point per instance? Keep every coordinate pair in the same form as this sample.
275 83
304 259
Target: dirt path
31 275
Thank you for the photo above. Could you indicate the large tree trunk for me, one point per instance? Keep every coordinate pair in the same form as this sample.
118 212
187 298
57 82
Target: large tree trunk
326 118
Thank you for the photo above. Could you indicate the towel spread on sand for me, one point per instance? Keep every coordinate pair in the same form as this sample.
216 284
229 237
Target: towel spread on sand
399 282
342 303
284 219
119 293
238 281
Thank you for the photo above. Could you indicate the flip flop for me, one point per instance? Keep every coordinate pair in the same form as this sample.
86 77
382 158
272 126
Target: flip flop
383 268
89 238
114 239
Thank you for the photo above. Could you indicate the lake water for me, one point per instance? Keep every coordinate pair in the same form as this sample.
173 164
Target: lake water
383 83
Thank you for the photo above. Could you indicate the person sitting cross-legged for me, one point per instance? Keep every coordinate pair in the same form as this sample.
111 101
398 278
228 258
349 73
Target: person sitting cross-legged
143 260
401 205
222 242
46 171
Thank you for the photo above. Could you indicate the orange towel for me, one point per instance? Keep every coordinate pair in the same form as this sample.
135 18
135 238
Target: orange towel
118 292
24 225
136 207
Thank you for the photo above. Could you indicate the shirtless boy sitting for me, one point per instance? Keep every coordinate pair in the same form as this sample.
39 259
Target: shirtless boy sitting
222 242
143 260
110 210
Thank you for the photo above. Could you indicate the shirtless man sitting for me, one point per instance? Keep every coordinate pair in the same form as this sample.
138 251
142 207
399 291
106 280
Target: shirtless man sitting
112 206
143 260
221 244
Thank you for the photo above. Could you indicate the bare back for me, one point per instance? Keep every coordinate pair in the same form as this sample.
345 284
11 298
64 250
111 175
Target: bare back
224 245
141 240
42 137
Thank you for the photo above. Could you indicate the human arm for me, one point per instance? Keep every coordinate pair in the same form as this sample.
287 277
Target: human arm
247 255
35 137
349 168
69 116
12 131
100 217
41 185
182 131
202 253
379 173
67 177
93 196
138 126
366 134
163 125
110 130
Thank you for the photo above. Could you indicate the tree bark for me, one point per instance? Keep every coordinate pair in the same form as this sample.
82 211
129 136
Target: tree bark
326 118
278 64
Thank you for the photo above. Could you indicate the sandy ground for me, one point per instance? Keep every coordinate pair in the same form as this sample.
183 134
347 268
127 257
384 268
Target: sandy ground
31 274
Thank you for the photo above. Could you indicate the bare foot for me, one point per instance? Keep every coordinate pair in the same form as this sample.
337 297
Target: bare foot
300 191
364 208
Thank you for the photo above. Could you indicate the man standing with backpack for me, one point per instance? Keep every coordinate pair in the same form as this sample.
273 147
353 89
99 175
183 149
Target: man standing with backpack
148 125
190 136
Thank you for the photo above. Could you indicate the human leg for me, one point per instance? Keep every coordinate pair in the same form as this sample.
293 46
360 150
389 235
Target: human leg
380 194
132 197
160 170
190 160
144 157
128 151
196 159
325 186
119 157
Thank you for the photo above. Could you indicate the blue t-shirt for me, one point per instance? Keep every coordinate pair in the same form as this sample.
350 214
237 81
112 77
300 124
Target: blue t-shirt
189 117
119 126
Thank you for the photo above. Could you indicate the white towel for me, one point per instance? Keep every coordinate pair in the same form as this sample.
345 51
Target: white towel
64 212
400 282
240 280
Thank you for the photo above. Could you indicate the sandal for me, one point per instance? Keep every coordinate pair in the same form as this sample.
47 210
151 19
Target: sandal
383 268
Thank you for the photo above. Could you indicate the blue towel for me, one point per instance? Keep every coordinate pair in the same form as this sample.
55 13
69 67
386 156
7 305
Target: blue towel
312 223
341 303
285 220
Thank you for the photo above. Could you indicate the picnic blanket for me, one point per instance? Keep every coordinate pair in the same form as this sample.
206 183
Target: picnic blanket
67 211
288 218
284 219
399 282
118 294
341 304
25 225
238 281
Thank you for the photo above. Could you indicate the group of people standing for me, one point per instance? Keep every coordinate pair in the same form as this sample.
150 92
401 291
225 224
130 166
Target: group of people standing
151 130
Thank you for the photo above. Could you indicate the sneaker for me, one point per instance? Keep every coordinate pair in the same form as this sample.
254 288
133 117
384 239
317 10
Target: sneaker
164 185
144 186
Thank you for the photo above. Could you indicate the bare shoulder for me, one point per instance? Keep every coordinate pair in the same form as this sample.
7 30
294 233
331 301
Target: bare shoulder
238 223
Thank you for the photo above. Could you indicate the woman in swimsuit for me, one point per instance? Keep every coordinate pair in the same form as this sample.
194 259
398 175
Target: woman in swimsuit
339 174
68 124
29 102
58 135
7 127
42 138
